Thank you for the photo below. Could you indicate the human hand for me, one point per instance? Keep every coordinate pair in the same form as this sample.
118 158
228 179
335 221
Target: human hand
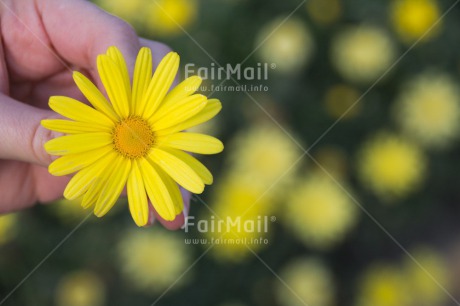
42 42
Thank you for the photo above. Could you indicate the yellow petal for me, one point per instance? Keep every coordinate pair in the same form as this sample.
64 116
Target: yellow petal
98 183
211 109
73 127
137 197
81 181
181 91
90 197
195 164
173 190
72 163
112 78
181 111
78 111
94 96
113 187
192 142
100 180
119 60
157 191
141 78
78 143
182 173
160 83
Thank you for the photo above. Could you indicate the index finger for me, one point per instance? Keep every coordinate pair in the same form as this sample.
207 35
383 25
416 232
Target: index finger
79 31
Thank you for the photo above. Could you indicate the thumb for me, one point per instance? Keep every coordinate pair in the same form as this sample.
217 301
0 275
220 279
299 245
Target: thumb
21 135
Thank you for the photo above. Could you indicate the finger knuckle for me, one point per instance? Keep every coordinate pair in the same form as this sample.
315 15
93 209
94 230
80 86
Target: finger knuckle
122 28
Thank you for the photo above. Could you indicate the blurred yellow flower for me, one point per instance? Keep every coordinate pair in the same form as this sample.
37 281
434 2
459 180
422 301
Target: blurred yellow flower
422 282
341 101
310 279
362 54
8 227
162 17
242 198
170 17
319 212
428 110
152 261
383 285
265 154
80 288
324 12
288 45
415 19
127 10
411 284
391 166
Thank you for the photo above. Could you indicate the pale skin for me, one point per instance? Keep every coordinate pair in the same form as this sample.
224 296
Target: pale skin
42 41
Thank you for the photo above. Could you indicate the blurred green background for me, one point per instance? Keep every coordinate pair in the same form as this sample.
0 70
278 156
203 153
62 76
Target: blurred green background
350 148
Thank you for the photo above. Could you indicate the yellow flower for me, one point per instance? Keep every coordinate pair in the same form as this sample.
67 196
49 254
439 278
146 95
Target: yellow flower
264 153
8 226
319 212
422 282
287 44
341 101
152 261
310 279
428 110
80 288
384 285
414 19
135 139
324 12
239 198
391 166
362 54
169 17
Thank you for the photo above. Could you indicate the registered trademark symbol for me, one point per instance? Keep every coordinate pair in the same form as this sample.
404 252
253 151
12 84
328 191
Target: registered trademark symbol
272 218
273 66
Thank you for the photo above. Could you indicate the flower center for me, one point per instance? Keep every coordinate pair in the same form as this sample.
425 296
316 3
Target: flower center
133 137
